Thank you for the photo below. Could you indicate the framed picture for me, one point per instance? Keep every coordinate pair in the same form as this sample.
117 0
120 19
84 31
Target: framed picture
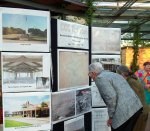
27 111
24 30
25 72
106 40
72 35
99 119
72 69
83 100
63 105
75 124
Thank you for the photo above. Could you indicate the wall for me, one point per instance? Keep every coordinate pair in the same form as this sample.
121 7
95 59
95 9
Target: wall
127 56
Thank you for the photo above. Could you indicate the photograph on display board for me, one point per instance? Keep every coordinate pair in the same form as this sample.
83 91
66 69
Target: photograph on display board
72 69
106 40
27 111
99 119
83 100
109 62
25 30
75 124
72 35
63 105
26 72
97 100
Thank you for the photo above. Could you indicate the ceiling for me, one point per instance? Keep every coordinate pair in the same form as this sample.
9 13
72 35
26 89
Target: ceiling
124 14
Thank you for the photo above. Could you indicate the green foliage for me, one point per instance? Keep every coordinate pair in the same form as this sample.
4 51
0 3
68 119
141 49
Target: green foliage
89 12
136 44
12 123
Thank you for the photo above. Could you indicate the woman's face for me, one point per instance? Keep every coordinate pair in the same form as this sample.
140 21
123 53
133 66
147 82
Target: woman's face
147 68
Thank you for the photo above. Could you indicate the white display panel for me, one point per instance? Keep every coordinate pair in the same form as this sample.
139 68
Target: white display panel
97 100
72 35
72 69
83 100
63 105
76 124
99 119
29 111
106 40
25 72
24 30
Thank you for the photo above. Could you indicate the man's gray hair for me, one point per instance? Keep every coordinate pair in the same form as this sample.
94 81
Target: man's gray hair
96 67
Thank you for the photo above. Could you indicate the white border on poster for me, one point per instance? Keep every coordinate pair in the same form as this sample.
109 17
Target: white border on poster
61 92
46 61
74 120
97 100
22 46
88 87
100 116
106 43
72 35
116 57
41 127
65 50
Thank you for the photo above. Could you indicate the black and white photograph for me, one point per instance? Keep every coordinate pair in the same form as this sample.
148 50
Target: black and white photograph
75 124
109 62
73 35
25 72
63 105
25 30
83 100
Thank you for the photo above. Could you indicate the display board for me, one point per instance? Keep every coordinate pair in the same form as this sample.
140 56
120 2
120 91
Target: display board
63 105
76 124
72 35
99 119
29 111
25 72
83 100
106 40
97 100
24 30
72 69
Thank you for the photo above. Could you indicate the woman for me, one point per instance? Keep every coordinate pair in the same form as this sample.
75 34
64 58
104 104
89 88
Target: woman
137 87
144 78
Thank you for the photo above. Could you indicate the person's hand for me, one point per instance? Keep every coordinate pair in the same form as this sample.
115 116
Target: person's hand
109 122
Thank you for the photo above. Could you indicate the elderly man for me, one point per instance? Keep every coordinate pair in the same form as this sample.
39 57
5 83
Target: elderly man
124 106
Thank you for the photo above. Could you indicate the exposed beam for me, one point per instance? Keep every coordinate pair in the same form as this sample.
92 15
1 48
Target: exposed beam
44 7
122 10
122 17
134 26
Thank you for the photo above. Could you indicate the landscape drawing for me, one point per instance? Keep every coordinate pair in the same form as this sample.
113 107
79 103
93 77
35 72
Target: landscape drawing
25 72
26 109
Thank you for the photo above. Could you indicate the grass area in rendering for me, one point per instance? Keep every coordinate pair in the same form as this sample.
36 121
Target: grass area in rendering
12 123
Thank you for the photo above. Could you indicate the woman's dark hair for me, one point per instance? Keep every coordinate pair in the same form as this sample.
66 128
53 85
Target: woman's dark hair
146 63
126 71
